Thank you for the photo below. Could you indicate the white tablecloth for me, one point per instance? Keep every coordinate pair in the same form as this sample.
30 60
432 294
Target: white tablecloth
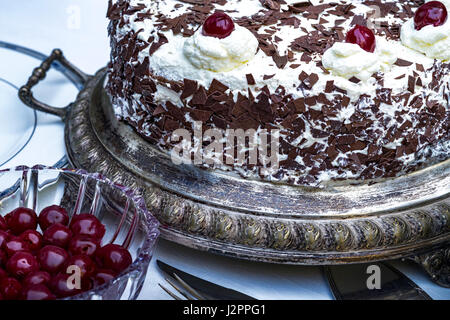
78 27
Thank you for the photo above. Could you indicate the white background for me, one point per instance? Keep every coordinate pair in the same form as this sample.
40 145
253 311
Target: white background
79 29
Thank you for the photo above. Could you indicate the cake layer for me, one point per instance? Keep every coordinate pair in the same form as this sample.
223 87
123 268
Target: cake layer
341 112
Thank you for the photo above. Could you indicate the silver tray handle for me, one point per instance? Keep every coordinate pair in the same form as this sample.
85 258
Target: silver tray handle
39 74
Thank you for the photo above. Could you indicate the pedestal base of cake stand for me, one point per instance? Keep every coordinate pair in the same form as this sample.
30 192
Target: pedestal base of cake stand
405 217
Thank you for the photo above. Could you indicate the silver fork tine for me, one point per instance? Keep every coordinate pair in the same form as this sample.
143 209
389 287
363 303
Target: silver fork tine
169 292
178 289
193 294
188 288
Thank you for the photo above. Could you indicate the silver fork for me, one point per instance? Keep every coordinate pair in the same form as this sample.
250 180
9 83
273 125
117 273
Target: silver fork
194 288
182 288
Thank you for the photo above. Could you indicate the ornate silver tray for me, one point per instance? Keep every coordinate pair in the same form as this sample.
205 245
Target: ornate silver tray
405 217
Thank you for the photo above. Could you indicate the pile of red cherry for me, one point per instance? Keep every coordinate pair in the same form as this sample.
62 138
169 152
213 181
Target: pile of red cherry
35 266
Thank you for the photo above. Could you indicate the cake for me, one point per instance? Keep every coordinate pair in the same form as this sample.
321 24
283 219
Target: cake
339 90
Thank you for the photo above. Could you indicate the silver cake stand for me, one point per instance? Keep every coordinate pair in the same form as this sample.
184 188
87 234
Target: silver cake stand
405 217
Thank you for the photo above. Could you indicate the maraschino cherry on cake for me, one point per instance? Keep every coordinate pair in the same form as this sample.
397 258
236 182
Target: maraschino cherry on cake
358 90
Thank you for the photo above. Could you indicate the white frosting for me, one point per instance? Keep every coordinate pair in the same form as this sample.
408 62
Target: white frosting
348 59
433 41
221 55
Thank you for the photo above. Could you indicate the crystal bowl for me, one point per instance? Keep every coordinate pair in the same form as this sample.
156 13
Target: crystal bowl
121 210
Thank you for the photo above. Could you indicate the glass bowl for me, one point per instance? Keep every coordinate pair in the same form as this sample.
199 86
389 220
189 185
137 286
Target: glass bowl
127 221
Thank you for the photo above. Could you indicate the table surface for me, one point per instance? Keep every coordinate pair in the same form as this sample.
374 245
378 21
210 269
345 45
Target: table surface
78 27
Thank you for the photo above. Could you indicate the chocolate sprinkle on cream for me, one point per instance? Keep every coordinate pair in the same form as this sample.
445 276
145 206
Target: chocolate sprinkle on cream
250 80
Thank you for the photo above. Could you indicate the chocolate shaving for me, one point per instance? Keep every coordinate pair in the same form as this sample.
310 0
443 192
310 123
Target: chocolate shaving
156 45
190 87
359 20
329 87
280 61
403 63
250 80
313 78
354 80
217 86
271 4
199 98
411 84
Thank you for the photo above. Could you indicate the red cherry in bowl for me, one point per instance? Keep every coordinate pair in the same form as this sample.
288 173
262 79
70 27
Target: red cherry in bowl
86 265
114 257
86 245
36 277
88 225
103 276
33 239
52 259
218 25
4 236
21 219
10 288
15 244
362 36
53 215
57 235
37 292
21 264
3 225
3 258
3 274
431 13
